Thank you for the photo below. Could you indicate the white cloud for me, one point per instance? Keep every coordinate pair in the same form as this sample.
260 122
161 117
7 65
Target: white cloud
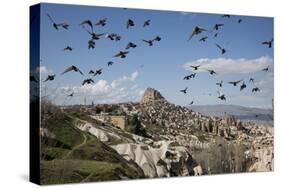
119 90
42 70
230 66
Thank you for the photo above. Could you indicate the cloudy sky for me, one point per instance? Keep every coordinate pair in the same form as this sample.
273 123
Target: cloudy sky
161 66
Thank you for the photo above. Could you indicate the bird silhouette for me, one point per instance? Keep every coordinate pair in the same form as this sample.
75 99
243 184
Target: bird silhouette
130 45
222 97
240 20
50 78
219 83
255 89
243 86
33 79
57 25
98 72
68 48
203 39
266 69
212 72
110 63
71 94
268 43
113 36
195 67
101 22
149 42
130 23
234 83
184 90
225 16
196 31
91 72
157 38
191 103
251 80
88 81
72 68
217 27
221 48
87 22
189 76
91 44
121 54
146 23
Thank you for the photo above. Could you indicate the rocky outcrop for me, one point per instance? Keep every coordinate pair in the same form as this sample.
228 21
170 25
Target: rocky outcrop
162 160
151 95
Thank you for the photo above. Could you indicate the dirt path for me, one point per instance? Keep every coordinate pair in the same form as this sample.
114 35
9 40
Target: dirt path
76 147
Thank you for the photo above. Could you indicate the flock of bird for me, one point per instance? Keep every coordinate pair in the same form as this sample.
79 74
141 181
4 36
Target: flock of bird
199 31
88 26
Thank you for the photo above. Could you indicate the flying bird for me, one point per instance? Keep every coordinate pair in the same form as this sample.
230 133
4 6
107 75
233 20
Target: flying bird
251 80
130 45
189 76
88 81
212 72
240 20
101 22
265 69
121 54
71 94
195 67
113 36
91 72
72 68
110 63
219 83
225 16
196 31
203 39
91 44
234 83
87 22
221 48
57 25
157 38
130 23
50 77
184 90
269 43
68 48
243 86
217 27
191 103
222 97
146 23
98 72
149 42
255 89
94 36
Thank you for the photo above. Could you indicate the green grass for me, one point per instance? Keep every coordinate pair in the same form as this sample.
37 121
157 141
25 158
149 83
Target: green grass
74 171
64 130
49 152
95 150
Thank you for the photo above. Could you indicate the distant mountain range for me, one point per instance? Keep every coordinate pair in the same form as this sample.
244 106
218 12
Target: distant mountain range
240 112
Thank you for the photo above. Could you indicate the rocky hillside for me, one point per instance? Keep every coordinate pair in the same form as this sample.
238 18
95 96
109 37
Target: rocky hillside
160 139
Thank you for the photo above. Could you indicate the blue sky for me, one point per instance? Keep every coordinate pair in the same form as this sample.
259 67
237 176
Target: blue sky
161 66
